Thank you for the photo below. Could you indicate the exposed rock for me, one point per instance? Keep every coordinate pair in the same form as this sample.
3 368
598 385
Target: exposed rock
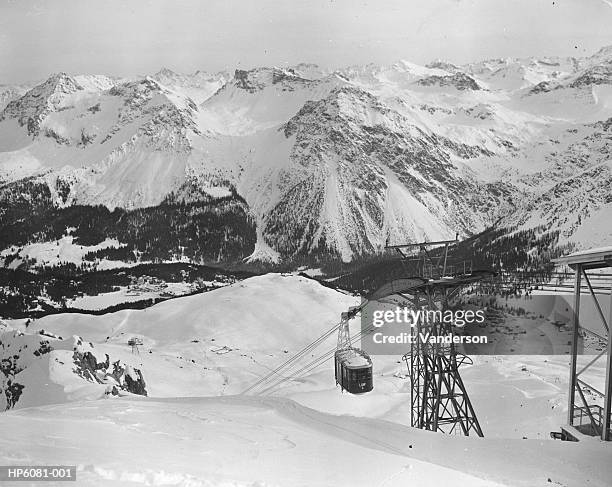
19 351
12 391
461 81
597 75
92 368
257 79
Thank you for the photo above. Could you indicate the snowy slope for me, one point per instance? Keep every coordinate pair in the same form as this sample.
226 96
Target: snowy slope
198 86
223 341
205 344
260 99
573 195
306 433
53 253
269 442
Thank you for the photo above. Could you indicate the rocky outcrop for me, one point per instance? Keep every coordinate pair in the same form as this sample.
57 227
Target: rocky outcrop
96 368
257 79
461 81
596 75
19 352
12 391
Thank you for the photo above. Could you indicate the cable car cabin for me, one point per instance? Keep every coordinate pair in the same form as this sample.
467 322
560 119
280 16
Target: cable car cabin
353 371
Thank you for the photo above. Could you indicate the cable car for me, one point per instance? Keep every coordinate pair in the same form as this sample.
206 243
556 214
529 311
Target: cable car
353 371
353 366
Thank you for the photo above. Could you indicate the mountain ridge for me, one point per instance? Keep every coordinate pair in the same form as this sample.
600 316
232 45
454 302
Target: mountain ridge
326 162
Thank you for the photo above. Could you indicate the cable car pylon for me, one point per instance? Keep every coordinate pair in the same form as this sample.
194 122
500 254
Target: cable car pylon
439 398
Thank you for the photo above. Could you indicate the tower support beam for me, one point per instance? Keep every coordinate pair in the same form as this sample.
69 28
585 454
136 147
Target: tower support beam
598 415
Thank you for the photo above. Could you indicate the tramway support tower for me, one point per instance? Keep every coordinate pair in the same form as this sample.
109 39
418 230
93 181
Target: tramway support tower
589 409
439 398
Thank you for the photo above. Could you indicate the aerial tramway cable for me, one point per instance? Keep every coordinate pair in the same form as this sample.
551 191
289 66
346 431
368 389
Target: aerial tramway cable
312 365
289 363
275 377
279 374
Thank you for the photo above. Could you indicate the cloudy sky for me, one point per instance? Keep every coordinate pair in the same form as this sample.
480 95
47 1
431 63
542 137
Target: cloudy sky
121 37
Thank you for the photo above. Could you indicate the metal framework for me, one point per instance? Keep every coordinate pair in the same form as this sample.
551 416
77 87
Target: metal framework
135 342
344 335
439 399
591 418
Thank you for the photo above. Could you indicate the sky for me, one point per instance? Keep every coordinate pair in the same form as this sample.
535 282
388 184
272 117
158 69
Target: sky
136 37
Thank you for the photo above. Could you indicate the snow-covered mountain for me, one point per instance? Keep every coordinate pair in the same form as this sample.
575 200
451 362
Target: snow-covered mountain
9 93
317 161
198 86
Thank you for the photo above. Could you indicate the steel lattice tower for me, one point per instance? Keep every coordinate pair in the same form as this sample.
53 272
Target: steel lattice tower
439 399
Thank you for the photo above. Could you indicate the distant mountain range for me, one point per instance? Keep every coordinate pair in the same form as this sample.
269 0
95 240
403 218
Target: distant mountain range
290 164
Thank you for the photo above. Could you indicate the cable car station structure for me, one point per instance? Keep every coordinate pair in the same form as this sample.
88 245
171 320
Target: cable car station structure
587 417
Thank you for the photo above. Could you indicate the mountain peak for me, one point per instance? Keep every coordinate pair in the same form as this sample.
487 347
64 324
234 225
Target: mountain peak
165 72
259 78
310 71
603 56
336 163
604 51
139 89
37 103
443 65
57 83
